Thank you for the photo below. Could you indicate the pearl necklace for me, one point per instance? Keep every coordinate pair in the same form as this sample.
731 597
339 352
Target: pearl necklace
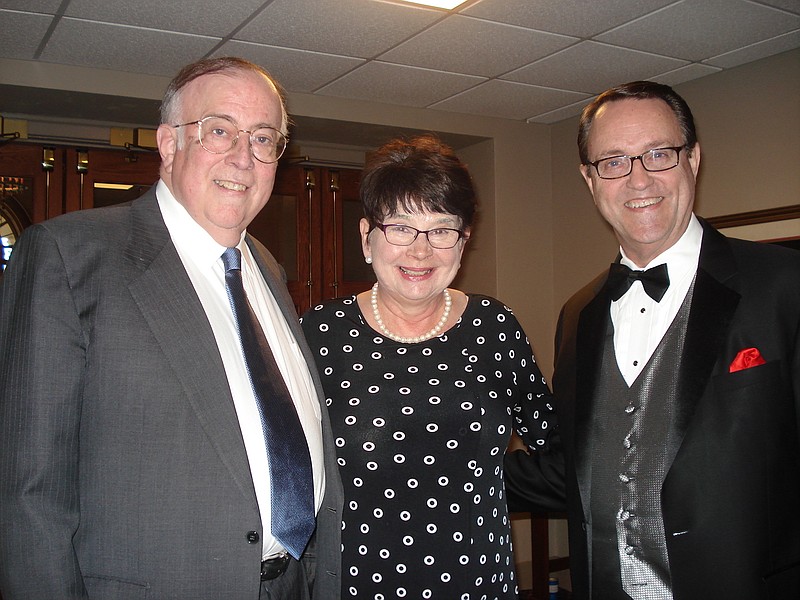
437 329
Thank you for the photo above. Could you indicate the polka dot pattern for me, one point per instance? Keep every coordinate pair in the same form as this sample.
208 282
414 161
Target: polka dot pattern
420 431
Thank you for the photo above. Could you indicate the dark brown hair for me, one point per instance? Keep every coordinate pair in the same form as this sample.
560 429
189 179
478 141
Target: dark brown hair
417 174
637 90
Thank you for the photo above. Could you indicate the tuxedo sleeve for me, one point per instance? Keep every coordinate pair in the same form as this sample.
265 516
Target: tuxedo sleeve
535 481
42 362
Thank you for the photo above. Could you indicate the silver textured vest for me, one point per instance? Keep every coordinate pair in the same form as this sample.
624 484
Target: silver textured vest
631 428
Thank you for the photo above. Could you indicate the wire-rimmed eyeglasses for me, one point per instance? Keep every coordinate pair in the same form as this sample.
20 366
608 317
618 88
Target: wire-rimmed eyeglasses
441 238
218 135
657 159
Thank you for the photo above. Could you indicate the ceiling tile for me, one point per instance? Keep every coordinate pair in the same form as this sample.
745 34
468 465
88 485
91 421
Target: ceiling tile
549 55
395 84
683 74
592 67
202 17
297 70
450 45
122 48
699 29
22 33
559 114
39 6
776 45
570 17
508 100
790 5
363 28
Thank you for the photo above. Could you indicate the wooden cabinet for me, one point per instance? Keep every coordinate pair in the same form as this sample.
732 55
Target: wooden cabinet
310 223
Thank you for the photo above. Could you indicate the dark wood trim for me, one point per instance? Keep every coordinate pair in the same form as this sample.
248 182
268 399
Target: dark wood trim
756 216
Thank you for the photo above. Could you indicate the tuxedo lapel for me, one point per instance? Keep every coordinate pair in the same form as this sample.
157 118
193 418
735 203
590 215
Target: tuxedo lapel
713 305
592 328
167 299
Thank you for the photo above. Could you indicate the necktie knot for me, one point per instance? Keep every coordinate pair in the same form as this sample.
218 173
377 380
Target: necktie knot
620 278
232 259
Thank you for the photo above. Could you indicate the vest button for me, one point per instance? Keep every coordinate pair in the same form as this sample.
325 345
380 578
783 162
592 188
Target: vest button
252 537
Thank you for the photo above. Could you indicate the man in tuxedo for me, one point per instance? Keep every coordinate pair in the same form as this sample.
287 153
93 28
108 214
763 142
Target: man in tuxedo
133 459
677 382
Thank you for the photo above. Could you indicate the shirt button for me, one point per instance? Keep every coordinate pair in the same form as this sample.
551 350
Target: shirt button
636 363
252 537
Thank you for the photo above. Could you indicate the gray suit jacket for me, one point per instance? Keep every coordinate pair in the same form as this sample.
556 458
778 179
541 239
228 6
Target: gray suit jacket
123 470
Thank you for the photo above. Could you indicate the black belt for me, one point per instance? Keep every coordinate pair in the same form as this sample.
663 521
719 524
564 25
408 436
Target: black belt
274 567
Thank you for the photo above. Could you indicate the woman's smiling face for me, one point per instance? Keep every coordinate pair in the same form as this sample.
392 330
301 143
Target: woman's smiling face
416 274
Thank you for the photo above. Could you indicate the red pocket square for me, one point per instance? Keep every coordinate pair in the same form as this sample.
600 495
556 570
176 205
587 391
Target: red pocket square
749 357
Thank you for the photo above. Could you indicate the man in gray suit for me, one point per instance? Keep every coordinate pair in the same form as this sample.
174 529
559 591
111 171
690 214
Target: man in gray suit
132 459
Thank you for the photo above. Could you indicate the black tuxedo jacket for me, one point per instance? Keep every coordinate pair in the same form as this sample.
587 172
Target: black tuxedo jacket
731 497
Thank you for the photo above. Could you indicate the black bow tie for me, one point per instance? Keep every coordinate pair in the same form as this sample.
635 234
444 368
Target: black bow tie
621 278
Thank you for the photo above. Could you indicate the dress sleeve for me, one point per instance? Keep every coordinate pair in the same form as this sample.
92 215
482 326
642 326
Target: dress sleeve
534 479
532 408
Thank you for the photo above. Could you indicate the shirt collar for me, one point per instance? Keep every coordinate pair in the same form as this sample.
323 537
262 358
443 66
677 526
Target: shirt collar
680 258
194 242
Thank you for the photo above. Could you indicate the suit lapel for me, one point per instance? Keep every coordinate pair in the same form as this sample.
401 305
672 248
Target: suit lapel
169 304
713 305
592 328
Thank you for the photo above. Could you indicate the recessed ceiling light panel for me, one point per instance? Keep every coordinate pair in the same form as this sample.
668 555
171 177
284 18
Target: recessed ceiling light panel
448 4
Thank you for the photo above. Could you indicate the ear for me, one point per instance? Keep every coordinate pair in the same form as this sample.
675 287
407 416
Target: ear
363 227
167 140
586 173
694 158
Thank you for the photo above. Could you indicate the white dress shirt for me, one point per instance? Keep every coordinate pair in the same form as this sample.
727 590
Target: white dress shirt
639 321
201 256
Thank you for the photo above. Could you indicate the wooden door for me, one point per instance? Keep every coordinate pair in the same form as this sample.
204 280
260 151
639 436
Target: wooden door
310 225
344 271
100 177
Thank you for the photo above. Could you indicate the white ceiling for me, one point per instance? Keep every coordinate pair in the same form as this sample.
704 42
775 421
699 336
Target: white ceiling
528 60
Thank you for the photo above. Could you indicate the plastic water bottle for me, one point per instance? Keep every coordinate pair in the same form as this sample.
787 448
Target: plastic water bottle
552 587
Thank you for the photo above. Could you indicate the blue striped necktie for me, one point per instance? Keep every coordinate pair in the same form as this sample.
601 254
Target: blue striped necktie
291 478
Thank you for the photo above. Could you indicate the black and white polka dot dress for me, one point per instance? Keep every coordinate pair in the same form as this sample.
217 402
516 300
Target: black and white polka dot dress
420 433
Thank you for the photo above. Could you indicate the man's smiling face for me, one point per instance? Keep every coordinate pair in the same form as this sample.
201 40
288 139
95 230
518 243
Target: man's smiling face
222 192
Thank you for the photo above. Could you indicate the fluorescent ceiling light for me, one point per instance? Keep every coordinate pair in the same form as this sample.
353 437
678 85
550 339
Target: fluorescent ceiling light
448 4
112 186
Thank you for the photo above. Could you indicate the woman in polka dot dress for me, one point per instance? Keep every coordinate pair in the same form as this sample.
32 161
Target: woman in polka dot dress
424 385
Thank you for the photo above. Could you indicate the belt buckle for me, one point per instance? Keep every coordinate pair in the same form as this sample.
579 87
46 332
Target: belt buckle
274 567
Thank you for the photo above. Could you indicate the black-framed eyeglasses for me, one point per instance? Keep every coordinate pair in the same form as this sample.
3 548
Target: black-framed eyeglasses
441 238
218 135
655 160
